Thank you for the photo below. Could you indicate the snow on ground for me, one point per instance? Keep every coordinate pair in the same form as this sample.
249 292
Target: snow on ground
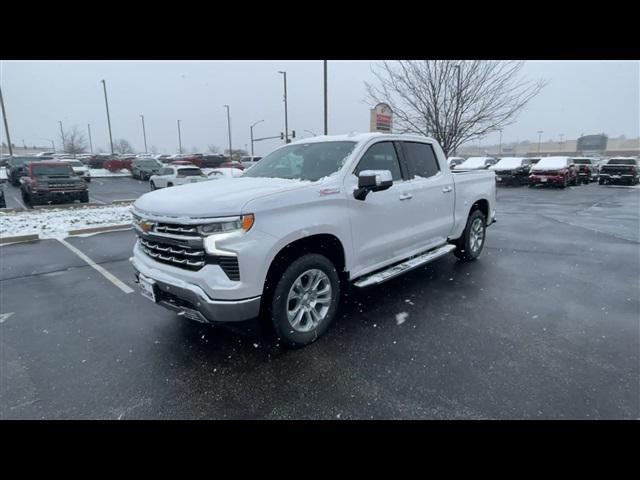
55 223
401 317
103 172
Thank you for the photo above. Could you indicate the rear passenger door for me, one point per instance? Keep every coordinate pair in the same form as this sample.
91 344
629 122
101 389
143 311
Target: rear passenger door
432 195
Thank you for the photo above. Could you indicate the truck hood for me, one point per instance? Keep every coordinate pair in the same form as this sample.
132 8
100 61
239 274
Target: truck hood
213 198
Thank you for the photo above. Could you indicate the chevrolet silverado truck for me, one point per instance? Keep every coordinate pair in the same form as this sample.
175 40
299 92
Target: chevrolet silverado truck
52 182
619 170
311 219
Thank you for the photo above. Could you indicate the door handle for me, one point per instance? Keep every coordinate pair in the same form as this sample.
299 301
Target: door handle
406 196
447 189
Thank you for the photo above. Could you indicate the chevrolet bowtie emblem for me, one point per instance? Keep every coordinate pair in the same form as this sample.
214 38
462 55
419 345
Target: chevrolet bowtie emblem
145 226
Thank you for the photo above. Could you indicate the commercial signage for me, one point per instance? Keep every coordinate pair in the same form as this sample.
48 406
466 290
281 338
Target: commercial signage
381 118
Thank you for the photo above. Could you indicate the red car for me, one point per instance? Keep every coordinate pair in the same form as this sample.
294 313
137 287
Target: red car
232 165
557 171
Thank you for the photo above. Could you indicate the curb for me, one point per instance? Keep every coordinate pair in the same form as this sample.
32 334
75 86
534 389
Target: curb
9 210
19 239
99 229
122 202
66 205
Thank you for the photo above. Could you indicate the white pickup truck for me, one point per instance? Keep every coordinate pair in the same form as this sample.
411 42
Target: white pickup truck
309 220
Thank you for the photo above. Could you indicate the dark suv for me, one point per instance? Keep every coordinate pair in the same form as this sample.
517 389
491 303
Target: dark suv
143 168
586 168
16 168
619 170
49 182
512 170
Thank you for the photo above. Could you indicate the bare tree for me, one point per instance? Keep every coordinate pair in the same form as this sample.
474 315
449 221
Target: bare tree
122 146
453 101
213 149
74 141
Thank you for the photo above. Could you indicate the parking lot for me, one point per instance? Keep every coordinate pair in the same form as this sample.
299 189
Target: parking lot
101 191
544 325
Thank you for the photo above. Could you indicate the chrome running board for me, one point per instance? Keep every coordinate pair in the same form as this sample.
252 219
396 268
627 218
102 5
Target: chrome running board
400 268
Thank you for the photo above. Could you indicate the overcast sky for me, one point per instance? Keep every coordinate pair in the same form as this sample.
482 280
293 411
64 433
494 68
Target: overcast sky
582 97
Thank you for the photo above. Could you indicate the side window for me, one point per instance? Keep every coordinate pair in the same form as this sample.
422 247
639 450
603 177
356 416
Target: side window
421 159
380 156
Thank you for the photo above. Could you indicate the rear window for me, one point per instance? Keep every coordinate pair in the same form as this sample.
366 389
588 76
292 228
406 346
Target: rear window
621 161
51 170
421 159
582 161
189 172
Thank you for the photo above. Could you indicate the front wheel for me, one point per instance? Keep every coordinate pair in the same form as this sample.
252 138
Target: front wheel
152 185
470 244
305 300
84 197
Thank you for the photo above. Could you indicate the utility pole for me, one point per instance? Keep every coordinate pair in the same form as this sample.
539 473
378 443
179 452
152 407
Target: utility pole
62 136
179 139
251 128
326 127
90 142
229 127
540 132
561 142
106 102
6 124
286 124
144 134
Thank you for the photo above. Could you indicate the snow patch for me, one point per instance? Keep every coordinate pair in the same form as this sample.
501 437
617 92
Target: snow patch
401 317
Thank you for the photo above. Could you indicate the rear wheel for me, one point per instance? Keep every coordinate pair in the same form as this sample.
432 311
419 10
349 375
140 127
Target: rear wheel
152 185
169 184
305 300
27 199
470 244
84 197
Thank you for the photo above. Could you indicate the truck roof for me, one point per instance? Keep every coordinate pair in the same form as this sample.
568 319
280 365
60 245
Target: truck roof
360 137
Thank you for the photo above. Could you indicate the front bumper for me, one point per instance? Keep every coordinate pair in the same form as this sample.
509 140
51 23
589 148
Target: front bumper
192 302
550 180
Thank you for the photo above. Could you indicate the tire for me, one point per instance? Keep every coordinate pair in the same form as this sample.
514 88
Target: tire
152 185
169 184
298 278
564 183
600 181
88 180
84 197
531 185
27 199
466 249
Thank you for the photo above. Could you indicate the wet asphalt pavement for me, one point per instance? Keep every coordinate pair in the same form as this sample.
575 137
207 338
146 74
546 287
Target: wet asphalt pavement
544 325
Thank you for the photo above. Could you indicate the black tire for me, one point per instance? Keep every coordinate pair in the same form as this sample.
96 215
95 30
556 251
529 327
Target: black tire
463 250
531 185
152 185
169 184
84 197
600 181
27 199
277 312
88 180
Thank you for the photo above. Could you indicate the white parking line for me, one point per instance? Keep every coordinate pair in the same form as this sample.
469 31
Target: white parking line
21 204
93 197
4 316
113 279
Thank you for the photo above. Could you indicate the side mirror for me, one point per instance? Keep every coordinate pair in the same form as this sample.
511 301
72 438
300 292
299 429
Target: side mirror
372 181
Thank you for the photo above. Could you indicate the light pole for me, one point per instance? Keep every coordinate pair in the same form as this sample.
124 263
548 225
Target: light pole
540 132
561 142
286 124
6 124
179 139
62 136
90 142
326 127
229 127
251 128
144 134
106 102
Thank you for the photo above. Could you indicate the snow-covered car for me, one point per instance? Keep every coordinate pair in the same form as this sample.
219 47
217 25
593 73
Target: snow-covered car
250 161
80 169
512 170
224 173
143 168
454 161
173 175
620 170
476 163
313 216
558 171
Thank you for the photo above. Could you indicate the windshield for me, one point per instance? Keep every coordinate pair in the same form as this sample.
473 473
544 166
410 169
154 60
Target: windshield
306 161
474 162
508 163
621 161
189 172
19 161
51 170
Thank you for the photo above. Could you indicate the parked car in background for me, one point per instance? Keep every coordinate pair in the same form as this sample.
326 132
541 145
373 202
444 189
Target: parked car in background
212 161
52 182
249 161
224 173
512 170
80 169
45 154
3 202
619 170
476 163
98 160
143 168
17 168
162 158
558 171
587 170
454 161
233 165
173 175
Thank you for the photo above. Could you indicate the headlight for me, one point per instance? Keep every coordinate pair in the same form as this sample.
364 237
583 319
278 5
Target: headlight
224 229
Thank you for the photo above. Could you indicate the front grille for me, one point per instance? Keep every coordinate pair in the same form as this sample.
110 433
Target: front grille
230 266
62 185
176 229
546 172
182 257
504 172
